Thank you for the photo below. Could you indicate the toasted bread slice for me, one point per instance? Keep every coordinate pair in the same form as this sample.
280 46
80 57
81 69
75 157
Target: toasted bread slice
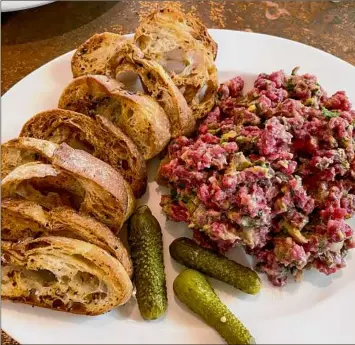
175 24
75 179
21 219
182 45
24 150
158 84
97 136
139 116
198 83
91 57
63 274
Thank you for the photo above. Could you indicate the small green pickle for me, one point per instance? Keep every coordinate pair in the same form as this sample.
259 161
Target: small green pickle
146 242
191 255
193 289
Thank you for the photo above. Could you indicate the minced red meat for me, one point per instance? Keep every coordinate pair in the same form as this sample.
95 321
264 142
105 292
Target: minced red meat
272 170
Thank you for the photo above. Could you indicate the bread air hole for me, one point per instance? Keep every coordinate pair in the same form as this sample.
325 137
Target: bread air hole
65 279
175 61
77 307
82 259
43 277
52 192
143 41
58 304
95 296
205 93
75 139
131 81
38 244
85 281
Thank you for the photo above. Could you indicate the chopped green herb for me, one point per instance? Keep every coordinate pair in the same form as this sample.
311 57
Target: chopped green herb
181 185
314 91
295 70
174 195
328 113
289 85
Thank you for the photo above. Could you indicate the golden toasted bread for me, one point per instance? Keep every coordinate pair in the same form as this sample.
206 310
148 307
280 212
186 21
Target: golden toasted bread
157 83
24 150
98 136
21 219
163 29
182 45
63 274
75 179
139 116
91 57
198 83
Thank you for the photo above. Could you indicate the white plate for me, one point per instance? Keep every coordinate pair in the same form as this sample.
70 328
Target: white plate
8 6
319 310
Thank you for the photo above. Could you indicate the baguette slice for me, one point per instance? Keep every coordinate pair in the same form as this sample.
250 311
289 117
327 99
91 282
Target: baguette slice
97 136
139 116
198 83
63 274
182 45
176 27
21 219
91 57
158 84
75 179
24 150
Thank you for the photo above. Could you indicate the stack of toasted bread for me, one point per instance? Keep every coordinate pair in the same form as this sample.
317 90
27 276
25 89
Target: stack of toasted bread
70 180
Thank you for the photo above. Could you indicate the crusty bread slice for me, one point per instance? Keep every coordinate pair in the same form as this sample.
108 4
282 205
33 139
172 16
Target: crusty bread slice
174 24
75 179
139 116
198 83
182 45
63 274
91 57
23 150
157 83
97 136
21 219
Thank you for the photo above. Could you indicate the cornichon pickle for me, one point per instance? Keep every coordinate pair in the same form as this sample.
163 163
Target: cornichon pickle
189 254
145 239
193 289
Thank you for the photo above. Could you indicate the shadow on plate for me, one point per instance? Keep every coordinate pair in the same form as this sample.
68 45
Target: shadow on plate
42 314
54 19
126 311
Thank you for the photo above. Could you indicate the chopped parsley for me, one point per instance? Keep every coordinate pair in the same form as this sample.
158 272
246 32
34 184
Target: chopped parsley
295 70
329 113
174 195
185 199
289 85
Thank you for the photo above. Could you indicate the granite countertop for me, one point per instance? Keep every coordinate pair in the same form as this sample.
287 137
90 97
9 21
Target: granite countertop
30 38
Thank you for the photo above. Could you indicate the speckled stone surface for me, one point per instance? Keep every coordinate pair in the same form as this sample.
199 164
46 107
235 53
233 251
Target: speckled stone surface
33 37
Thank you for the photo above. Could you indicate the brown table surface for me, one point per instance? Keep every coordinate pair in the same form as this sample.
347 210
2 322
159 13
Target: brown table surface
30 38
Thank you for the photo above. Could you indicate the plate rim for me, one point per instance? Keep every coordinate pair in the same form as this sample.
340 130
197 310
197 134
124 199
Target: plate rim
31 4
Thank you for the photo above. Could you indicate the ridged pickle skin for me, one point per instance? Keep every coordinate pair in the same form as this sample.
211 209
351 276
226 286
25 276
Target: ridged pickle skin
188 253
146 242
192 288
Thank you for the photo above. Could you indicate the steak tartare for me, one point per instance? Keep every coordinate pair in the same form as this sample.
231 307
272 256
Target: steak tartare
273 170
